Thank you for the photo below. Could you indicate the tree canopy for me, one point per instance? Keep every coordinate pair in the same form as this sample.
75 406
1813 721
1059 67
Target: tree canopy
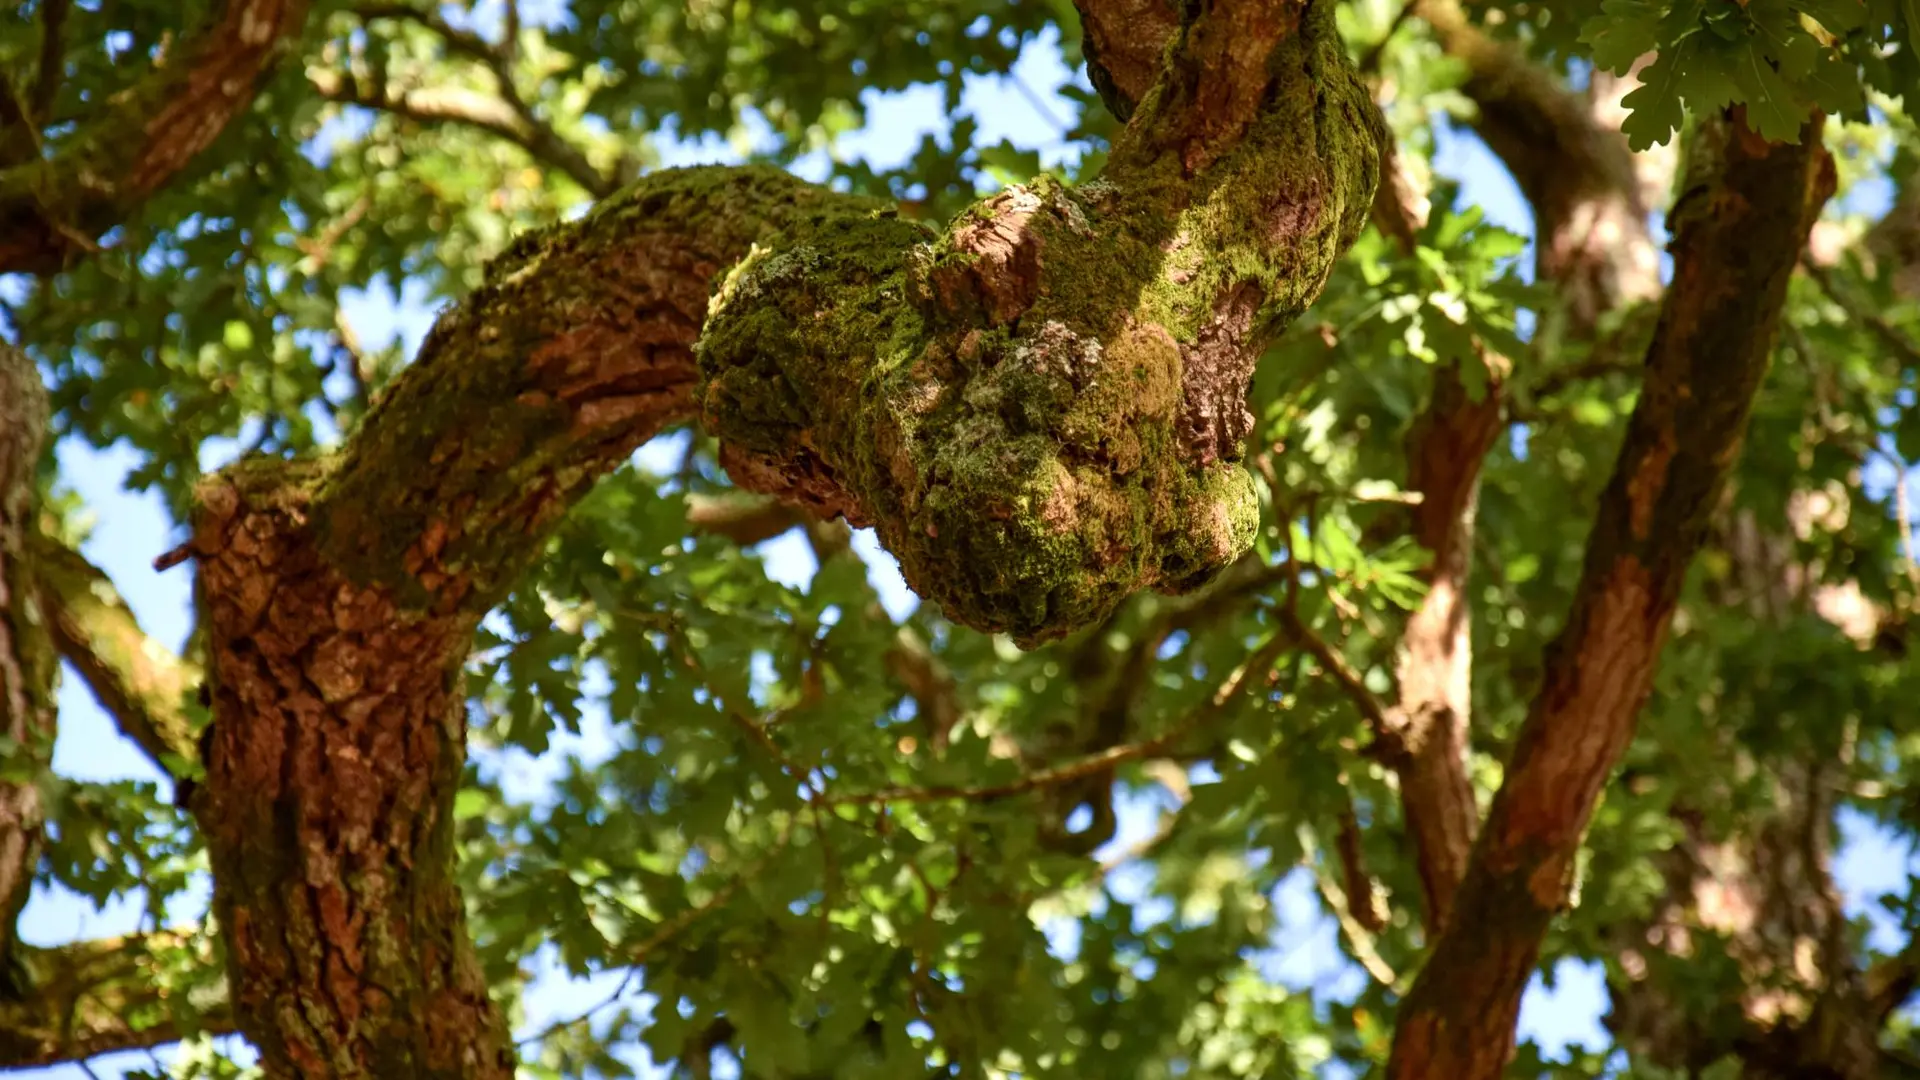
1280 526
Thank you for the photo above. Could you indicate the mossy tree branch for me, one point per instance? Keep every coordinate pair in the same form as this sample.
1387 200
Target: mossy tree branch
1084 426
1739 231
1042 409
54 207
138 681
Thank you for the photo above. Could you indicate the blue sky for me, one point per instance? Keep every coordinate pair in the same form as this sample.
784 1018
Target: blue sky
131 529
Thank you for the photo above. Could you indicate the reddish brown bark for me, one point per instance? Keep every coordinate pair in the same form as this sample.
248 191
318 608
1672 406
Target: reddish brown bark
52 210
27 667
339 602
1739 231
327 806
1445 452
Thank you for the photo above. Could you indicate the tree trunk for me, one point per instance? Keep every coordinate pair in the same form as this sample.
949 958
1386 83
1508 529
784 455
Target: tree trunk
28 666
336 750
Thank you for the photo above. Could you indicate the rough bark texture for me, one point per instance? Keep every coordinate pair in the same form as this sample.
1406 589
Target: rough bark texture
52 209
1123 42
340 598
1042 409
27 664
1738 234
99 997
327 806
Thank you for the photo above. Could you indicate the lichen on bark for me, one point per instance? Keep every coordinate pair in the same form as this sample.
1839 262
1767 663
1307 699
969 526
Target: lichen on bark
1042 407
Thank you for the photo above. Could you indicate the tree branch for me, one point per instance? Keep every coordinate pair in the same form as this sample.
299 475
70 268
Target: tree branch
1256 666
50 207
1123 41
535 135
1738 233
102 997
139 682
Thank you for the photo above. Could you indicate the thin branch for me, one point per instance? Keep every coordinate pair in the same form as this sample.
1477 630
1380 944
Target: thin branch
532 133
46 84
102 997
1363 901
1386 735
1889 334
1360 939
1093 764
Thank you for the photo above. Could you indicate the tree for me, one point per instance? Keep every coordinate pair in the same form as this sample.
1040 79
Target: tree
1528 610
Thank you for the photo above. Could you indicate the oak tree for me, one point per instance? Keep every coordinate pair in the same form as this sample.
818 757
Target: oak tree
1276 519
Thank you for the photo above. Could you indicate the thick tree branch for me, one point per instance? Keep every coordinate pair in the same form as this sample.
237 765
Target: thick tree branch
1738 233
50 208
101 997
27 663
1123 41
138 681
339 597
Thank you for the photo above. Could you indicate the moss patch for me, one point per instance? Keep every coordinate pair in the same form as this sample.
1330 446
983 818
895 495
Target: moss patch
1029 405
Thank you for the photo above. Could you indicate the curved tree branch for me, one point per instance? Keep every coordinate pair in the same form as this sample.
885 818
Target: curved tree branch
340 596
1578 173
1739 231
139 682
50 208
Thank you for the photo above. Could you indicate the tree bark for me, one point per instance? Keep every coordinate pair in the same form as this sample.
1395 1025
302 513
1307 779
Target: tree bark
1042 411
340 597
53 208
27 664
1738 234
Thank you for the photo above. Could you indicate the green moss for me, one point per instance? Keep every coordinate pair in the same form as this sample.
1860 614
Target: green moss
1007 410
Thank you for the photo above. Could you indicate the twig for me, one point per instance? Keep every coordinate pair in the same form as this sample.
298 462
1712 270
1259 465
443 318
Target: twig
561 1025
1386 735
1093 764
1873 320
1359 938
1362 901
